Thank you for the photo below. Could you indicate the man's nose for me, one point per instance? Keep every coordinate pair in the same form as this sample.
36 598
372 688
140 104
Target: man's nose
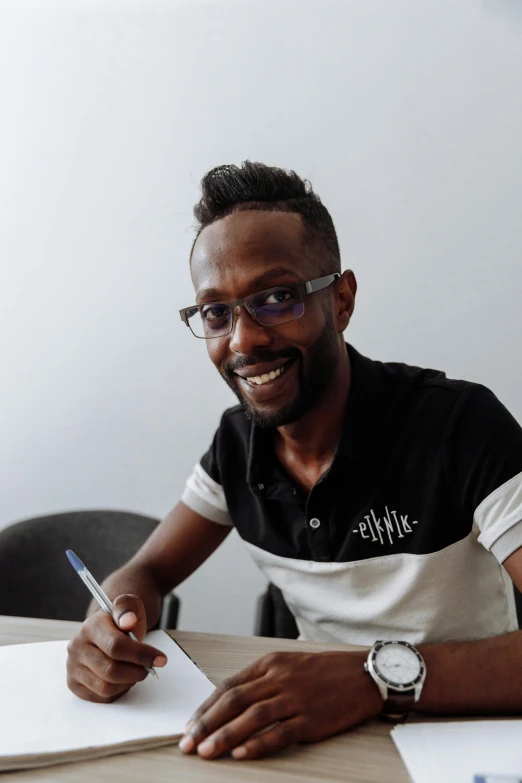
247 333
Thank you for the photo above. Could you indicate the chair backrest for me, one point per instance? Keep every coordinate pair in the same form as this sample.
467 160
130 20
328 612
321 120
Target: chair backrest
273 617
518 604
36 578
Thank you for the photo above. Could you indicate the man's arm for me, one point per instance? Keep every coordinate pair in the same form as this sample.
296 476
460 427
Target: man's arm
178 546
103 662
476 677
296 697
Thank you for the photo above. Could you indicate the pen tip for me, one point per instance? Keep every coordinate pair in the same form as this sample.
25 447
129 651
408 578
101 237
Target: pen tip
74 560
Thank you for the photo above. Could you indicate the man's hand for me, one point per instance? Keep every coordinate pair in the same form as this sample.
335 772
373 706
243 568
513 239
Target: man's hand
103 662
282 699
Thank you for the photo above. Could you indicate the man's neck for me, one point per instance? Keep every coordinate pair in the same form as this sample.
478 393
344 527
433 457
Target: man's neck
313 439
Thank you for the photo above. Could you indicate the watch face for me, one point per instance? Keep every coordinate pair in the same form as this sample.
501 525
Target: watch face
396 663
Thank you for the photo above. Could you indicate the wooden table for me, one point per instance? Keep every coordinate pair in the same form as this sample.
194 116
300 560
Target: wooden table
363 755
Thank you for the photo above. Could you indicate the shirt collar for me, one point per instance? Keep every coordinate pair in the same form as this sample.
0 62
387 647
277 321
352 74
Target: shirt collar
359 430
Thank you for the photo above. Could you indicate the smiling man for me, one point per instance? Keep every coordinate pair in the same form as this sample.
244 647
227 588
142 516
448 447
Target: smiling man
384 500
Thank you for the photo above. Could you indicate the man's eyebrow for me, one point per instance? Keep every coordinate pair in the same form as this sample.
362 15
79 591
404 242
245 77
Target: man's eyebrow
256 284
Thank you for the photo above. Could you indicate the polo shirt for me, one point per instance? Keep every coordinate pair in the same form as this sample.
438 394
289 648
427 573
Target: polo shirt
405 534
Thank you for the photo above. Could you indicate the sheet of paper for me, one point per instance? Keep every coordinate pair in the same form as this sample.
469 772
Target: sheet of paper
39 714
456 751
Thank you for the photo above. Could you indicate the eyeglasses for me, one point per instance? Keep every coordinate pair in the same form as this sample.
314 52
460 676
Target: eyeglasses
272 307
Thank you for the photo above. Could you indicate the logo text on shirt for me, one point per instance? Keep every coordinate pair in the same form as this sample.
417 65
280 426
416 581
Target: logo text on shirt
388 527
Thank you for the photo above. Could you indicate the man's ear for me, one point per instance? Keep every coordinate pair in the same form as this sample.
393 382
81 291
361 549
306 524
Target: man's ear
344 303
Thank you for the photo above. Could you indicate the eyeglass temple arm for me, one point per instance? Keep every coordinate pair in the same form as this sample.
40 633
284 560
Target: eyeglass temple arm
321 282
183 315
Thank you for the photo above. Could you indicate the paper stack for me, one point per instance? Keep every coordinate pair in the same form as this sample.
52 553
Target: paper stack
42 722
457 751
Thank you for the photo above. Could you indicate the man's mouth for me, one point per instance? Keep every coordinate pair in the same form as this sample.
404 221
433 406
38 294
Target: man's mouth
270 375
259 380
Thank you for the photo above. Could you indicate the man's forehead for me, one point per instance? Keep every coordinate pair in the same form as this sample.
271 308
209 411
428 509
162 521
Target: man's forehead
251 231
244 242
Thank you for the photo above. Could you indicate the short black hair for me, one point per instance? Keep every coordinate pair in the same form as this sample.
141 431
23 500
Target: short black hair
227 189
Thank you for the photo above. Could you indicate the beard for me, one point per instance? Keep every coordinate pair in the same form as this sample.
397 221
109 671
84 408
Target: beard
323 357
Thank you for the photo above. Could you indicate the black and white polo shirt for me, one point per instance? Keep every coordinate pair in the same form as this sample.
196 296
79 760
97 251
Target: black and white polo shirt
405 534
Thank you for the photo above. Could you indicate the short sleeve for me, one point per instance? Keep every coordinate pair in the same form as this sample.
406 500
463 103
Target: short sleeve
483 458
203 491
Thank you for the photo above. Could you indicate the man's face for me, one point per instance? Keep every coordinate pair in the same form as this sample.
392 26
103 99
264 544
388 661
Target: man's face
245 253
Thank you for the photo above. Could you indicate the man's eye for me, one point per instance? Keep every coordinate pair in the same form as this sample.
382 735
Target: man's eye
276 297
214 312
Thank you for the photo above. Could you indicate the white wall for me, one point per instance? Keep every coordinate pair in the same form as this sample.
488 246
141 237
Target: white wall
406 116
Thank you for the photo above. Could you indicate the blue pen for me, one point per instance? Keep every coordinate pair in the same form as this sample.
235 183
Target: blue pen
96 591
497 779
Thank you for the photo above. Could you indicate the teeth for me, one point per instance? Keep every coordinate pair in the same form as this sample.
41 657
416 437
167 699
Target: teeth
259 380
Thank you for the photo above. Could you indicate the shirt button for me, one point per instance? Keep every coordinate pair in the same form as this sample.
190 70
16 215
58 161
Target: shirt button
261 487
315 523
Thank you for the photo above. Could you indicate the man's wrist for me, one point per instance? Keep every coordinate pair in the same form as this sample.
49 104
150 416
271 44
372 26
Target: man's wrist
398 671
350 683
372 698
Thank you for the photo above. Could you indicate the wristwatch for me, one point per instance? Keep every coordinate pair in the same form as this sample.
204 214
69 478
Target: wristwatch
399 671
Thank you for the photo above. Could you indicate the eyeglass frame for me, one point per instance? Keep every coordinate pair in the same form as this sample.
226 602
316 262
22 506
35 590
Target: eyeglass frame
310 287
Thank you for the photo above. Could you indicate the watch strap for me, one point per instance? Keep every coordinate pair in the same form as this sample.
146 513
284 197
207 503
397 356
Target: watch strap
397 705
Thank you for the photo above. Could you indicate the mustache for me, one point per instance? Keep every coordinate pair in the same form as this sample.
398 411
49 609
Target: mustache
260 356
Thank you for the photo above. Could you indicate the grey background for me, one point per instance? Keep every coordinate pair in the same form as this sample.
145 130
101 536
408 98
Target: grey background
406 116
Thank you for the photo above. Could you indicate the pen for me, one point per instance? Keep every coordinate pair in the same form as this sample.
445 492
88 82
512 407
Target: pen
497 779
96 591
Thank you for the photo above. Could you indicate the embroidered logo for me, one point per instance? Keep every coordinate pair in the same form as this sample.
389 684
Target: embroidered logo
388 527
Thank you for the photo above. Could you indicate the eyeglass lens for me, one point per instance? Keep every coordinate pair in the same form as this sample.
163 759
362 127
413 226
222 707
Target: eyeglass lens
276 306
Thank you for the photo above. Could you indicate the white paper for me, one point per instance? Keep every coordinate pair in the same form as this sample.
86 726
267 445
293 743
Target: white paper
39 714
456 751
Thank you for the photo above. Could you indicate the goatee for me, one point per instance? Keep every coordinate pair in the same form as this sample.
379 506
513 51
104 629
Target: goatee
311 383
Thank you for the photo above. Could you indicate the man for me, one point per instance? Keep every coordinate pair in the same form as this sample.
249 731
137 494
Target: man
381 498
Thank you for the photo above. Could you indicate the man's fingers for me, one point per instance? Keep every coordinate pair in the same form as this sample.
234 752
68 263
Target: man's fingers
253 672
111 671
93 675
259 716
230 704
127 621
120 647
128 612
286 733
81 691
100 690
99 630
103 661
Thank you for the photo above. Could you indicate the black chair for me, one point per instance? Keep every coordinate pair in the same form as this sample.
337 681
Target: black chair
518 604
273 617
36 578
